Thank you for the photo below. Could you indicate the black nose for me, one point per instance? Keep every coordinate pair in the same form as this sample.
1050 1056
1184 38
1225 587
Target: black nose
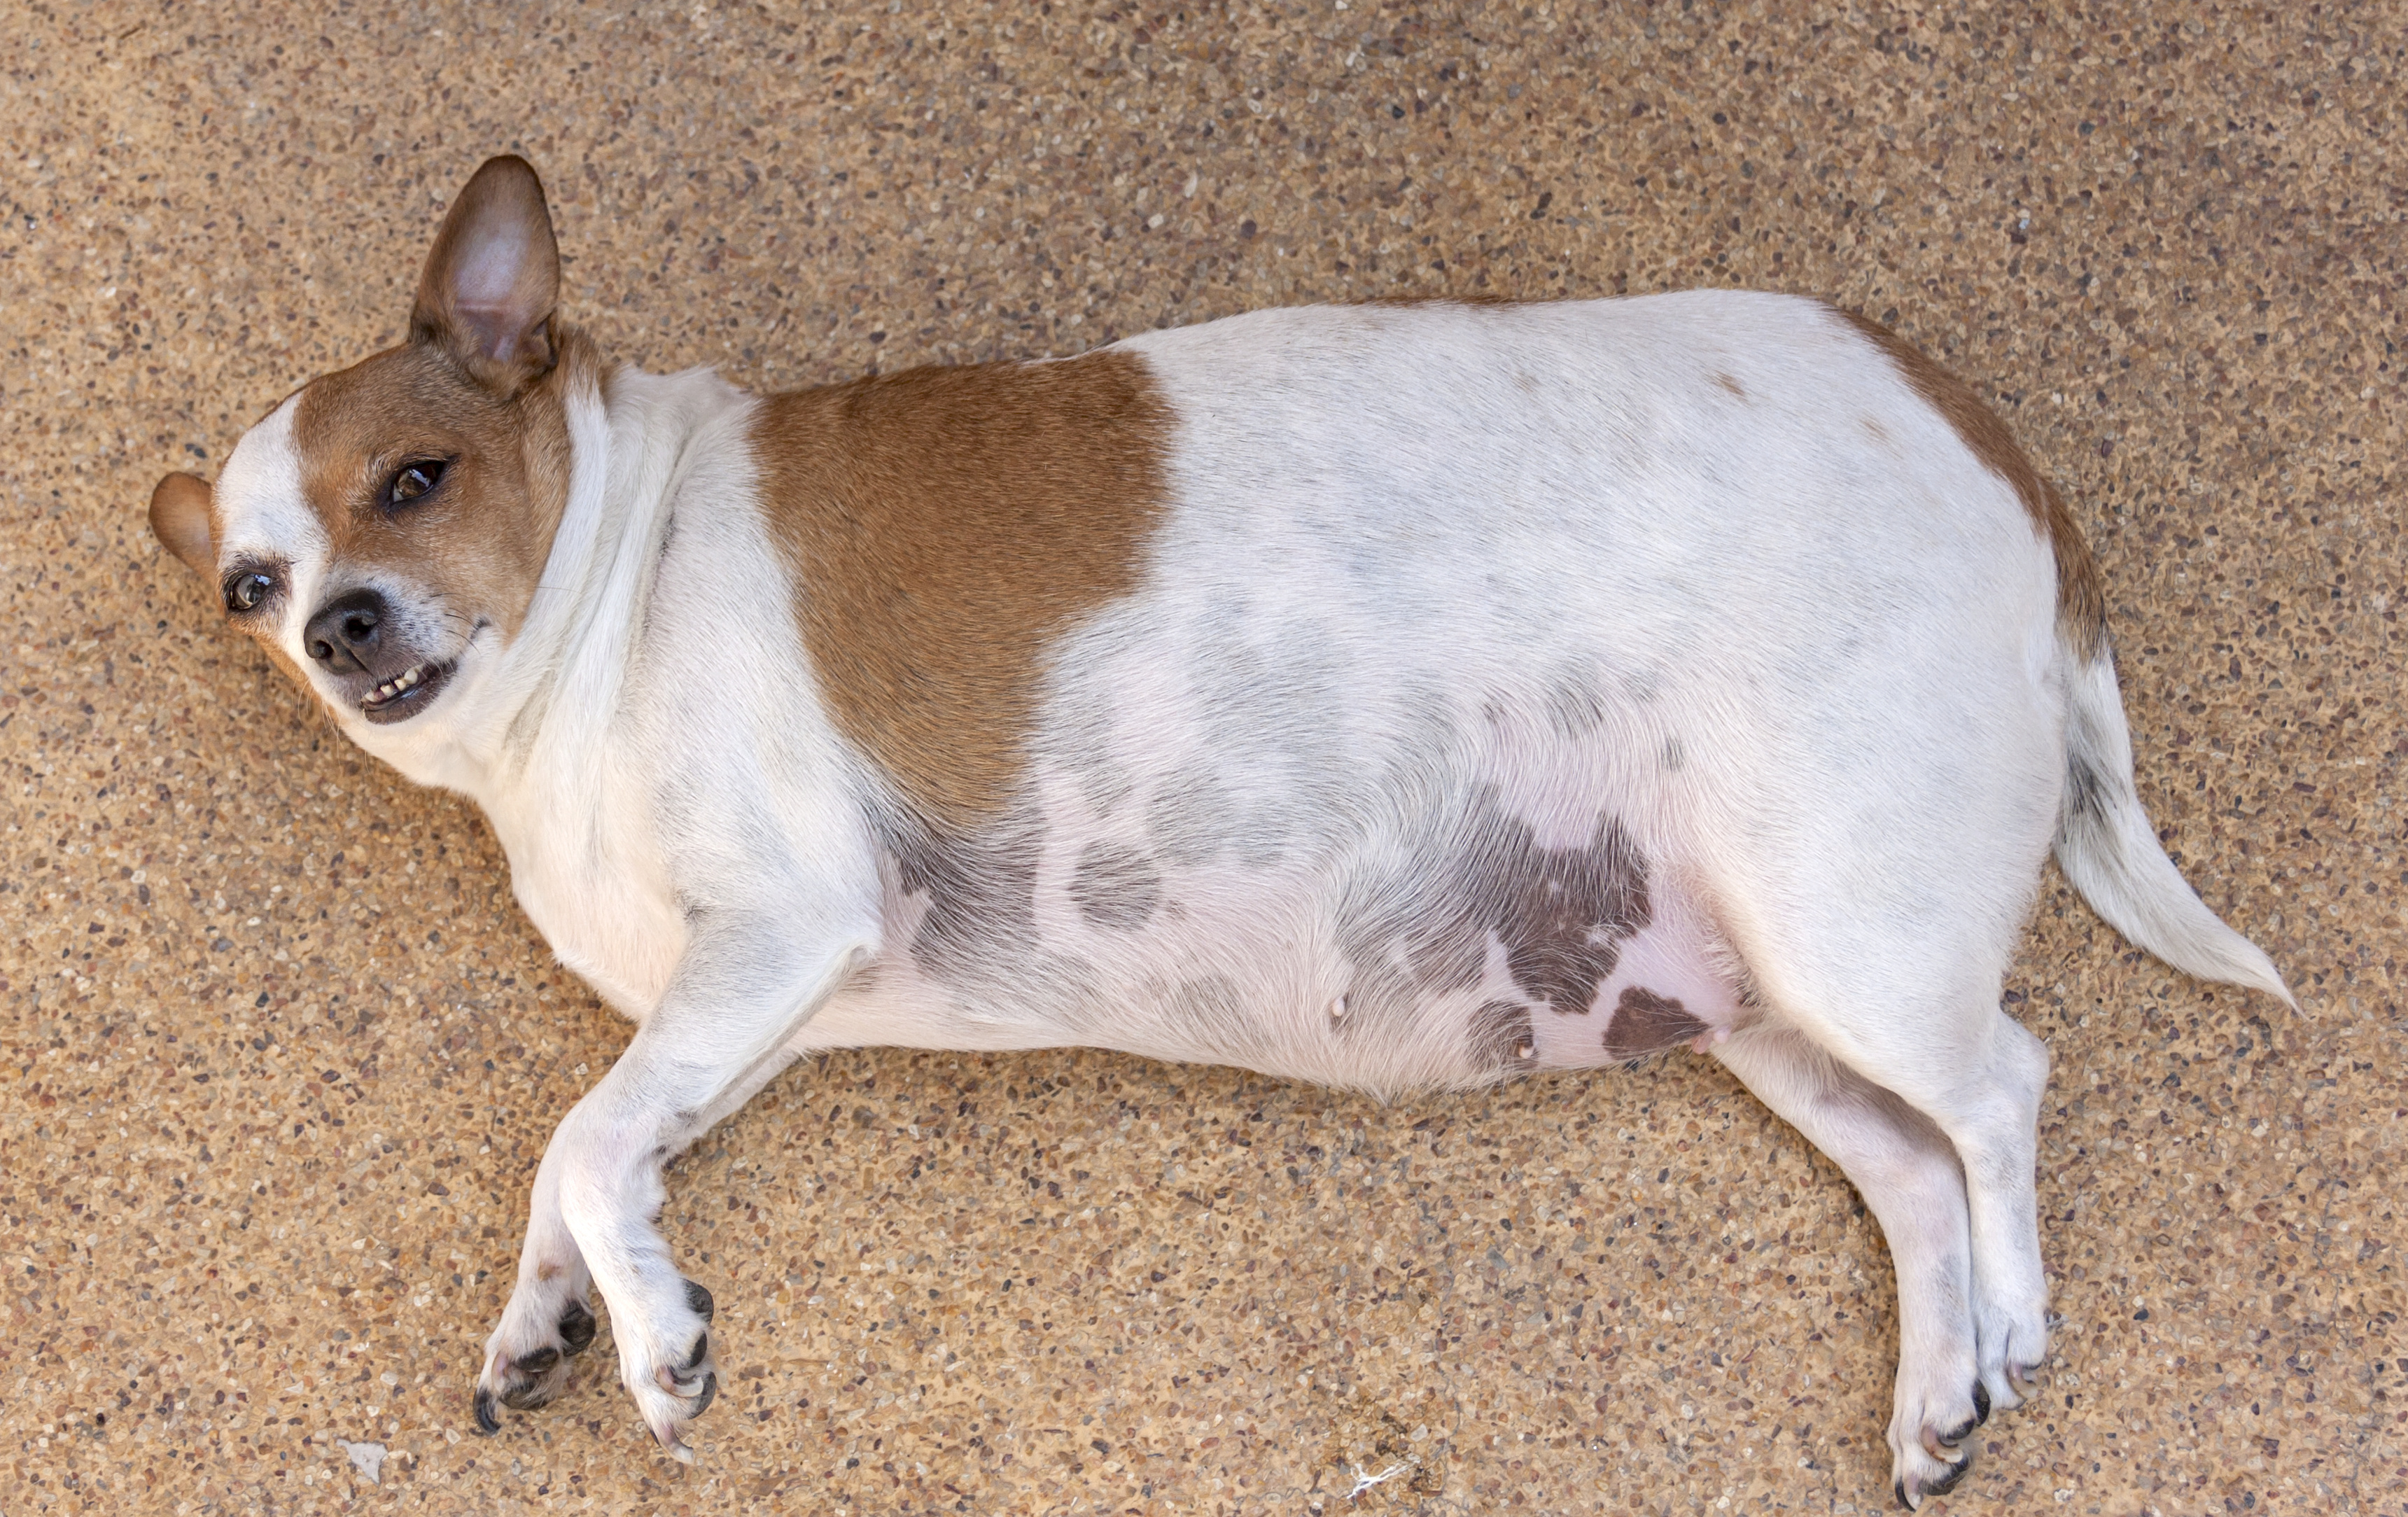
343 635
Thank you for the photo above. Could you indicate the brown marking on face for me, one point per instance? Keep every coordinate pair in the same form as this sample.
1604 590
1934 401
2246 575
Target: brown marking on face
944 528
2081 599
479 540
1732 385
1645 1023
1115 887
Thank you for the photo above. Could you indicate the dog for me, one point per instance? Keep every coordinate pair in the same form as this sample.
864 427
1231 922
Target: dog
1396 695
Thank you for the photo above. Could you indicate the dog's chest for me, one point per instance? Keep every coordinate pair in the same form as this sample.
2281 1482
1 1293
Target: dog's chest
592 879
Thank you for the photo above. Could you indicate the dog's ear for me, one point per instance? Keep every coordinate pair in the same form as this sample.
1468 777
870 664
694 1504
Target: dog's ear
486 294
180 518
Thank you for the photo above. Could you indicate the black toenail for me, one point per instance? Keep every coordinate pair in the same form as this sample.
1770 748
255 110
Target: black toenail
1899 1489
699 1299
1947 1483
540 1362
488 1423
710 1394
1964 1431
701 1350
577 1327
1981 1402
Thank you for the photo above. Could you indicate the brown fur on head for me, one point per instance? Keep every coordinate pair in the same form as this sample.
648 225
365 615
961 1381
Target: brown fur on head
385 519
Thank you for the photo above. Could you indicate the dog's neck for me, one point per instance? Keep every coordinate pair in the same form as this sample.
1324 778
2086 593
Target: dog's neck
633 437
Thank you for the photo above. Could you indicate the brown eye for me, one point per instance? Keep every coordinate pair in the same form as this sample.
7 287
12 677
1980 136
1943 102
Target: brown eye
244 591
414 481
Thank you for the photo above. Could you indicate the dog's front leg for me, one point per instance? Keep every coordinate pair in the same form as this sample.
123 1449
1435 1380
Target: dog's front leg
740 993
547 1320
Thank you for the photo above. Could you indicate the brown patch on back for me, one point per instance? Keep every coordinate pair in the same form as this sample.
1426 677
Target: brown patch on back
2080 600
1732 385
944 527
480 540
1645 1023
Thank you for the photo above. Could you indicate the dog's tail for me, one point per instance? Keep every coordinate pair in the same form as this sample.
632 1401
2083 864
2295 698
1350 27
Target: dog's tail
2108 849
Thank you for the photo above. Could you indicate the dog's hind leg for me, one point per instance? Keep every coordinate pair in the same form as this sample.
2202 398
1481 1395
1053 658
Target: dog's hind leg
1988 1102
1907 1172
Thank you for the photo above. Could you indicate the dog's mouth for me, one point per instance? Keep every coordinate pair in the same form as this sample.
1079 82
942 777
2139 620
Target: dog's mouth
407 694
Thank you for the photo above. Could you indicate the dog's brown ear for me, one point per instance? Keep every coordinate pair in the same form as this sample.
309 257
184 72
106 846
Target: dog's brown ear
486 294
180 518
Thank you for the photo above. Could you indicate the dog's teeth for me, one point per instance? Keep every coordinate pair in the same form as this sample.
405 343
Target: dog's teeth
407 679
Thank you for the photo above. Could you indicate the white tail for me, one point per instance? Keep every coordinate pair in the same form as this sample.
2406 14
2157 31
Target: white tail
2108 849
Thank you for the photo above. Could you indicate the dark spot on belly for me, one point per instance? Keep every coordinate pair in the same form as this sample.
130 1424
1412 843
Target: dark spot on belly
1115 887
1575 704
1563 913
1645 1023
1420 927
1732 385
1214 1012
981 889
1501 1036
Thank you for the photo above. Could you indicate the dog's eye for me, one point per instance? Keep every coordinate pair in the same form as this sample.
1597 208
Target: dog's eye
244 591
415 480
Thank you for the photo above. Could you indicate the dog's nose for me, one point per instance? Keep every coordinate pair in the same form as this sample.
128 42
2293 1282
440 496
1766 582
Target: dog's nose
343 635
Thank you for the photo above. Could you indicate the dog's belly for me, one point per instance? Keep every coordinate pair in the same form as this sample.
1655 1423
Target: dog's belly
1512 962
1480 931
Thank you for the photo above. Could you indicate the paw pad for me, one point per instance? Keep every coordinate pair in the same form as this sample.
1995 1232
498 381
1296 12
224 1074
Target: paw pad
577 1327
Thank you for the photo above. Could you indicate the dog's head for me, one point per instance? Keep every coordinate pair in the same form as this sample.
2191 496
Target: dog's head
382 530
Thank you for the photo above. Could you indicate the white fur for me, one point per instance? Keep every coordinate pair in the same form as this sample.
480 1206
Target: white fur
1699 576
261 515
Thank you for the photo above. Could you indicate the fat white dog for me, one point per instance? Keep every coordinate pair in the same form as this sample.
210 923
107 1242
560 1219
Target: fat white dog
1392 696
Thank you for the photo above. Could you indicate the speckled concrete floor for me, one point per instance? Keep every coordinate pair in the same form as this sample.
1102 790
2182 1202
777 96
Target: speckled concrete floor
281 1055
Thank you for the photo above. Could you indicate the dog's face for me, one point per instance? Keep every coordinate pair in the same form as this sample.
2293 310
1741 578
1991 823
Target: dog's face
382 531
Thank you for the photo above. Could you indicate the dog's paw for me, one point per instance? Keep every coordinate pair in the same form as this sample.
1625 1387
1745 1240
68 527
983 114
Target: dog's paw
668 1367
1927 1448
526 1360
2012 1345
1915 1479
